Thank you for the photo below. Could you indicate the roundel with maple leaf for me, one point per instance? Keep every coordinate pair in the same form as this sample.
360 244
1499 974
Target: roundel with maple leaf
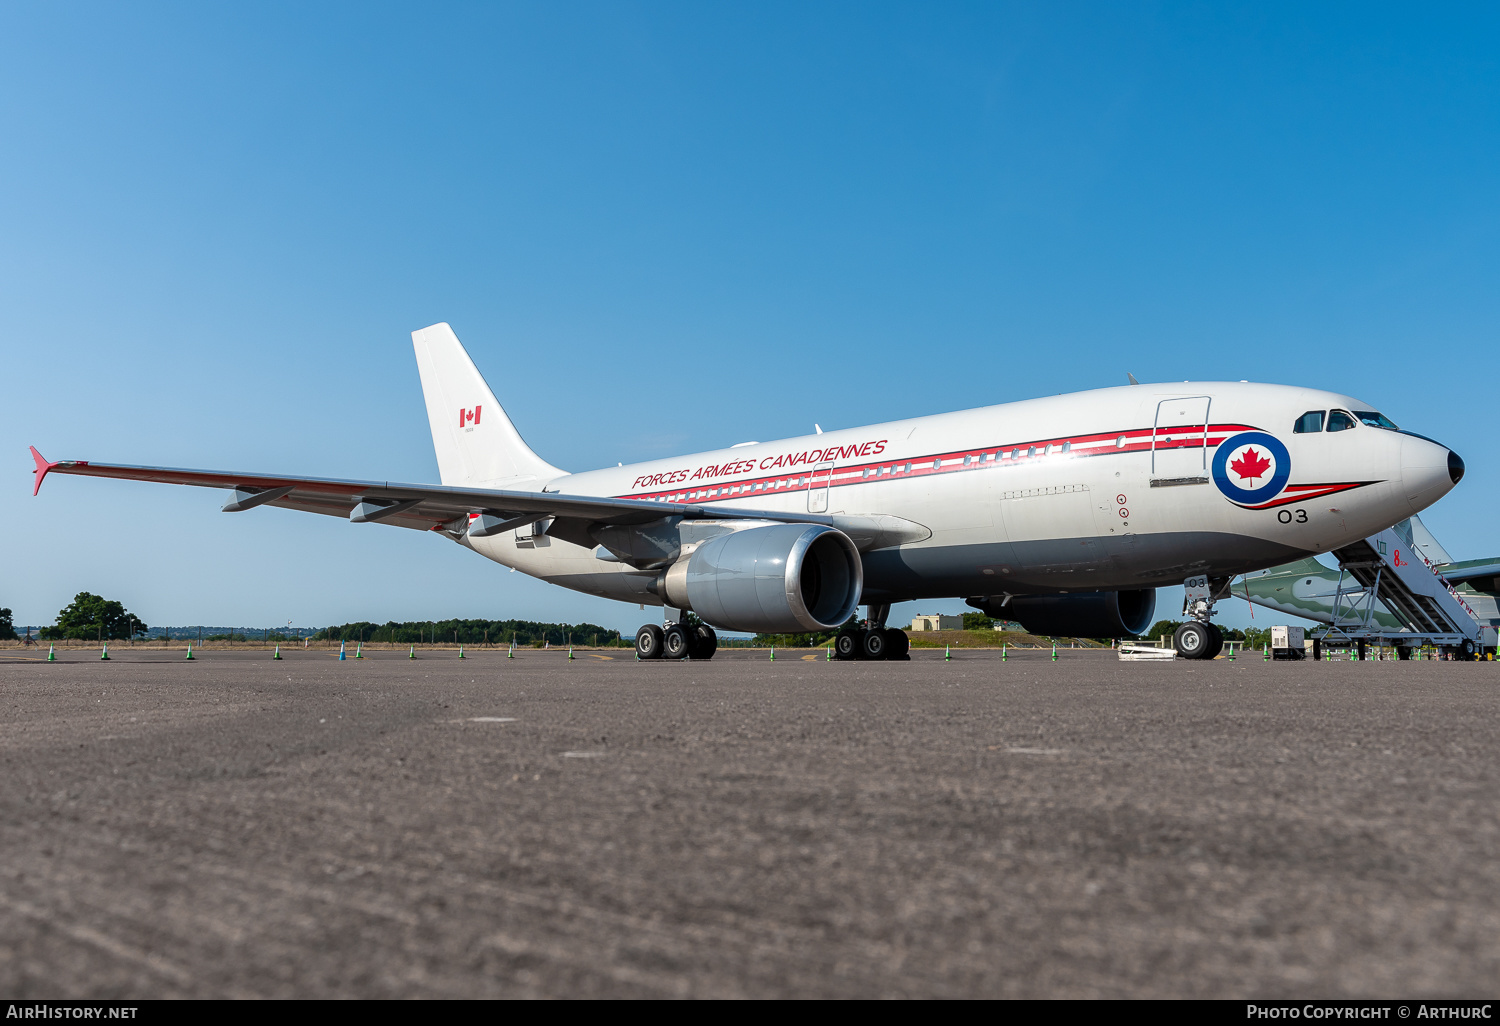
1251 467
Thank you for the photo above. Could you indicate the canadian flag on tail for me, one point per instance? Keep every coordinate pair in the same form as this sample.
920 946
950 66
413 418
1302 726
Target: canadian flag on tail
467 417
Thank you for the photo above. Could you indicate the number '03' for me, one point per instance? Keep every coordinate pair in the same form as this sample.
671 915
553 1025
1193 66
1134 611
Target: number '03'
1285 516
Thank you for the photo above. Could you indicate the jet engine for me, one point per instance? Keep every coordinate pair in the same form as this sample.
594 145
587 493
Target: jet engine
1094 614
773 579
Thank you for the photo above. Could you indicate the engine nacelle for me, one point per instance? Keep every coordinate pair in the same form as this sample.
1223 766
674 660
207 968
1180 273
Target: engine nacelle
1092 614
782 578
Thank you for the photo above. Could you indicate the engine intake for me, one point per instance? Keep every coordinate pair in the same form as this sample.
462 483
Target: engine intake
778 578
1095 614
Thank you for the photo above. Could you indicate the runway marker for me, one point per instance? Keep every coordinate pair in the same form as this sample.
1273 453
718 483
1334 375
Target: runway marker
1003 656
1054 650
411 652
105 653
828 655
460 651
570 651
278 652
512 653
1036 751
190 651
583 755
359 650
51 655
342 657
492 719
773 653
810 658
947 655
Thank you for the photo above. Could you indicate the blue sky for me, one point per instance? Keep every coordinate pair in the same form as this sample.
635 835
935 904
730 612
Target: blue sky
669 227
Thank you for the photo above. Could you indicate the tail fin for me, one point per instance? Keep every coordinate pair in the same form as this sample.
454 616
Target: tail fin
475 441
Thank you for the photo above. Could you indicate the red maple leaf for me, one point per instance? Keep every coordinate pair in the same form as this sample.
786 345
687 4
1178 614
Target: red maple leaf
1250 465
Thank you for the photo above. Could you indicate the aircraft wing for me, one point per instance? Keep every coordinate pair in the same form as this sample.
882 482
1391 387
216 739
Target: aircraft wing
1468 569
427 507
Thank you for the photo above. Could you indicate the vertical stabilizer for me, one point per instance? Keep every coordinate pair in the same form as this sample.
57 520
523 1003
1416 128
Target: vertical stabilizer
476 443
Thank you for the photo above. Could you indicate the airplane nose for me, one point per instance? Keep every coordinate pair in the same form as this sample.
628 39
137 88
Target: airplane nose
1428 471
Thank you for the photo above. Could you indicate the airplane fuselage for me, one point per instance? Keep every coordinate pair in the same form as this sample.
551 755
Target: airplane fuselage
1117 488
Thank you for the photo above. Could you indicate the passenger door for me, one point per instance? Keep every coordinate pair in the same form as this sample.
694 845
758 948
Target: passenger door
1179 441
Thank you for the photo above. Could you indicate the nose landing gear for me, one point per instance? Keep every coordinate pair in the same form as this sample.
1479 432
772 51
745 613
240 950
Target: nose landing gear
1199 638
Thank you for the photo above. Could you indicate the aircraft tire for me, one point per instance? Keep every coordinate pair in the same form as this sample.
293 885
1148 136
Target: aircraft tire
648 642
1217 641
1194 640
873 645
1465 651
707 642
676 642
846 645
897 644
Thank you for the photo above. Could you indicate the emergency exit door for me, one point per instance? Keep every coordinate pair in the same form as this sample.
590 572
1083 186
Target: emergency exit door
817 488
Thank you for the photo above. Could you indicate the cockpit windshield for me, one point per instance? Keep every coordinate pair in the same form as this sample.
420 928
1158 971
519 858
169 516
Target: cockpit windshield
1338 420
1374 419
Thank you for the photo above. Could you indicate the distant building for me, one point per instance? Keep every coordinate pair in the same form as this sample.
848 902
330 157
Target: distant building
937 622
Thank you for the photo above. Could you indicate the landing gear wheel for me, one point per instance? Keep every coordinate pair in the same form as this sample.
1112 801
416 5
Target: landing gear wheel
707 642
846 645
1195 640
1217 644
648 642
897 644
873 645
1465 651
1402 653
676 642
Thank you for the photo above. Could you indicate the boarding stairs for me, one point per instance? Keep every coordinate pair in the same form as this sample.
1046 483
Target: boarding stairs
1388 568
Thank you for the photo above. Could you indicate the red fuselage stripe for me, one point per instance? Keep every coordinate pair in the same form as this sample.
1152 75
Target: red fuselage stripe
1111 443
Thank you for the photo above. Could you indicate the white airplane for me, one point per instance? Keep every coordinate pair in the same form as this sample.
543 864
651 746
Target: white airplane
1063 513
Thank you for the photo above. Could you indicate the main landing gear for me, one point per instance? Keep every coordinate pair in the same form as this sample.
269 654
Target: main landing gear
676 641
1199 638
872 639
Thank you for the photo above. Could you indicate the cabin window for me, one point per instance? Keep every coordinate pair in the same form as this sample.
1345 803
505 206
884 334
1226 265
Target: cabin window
1031 451
1338 420
1067 447
1120 442
908 468
1376 420
1015 454
1310 423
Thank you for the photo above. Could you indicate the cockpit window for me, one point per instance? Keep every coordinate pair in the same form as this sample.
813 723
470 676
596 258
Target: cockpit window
1338 420
1309 423
1374 419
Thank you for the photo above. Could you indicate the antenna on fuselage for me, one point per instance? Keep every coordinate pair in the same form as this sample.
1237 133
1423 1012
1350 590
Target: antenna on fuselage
1132 378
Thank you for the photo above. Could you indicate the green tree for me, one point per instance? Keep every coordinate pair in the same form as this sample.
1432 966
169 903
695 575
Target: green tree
92 616
978 622
7 626
1160 627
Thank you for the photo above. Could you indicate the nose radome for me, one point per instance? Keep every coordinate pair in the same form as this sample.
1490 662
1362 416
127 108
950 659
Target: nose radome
1428 471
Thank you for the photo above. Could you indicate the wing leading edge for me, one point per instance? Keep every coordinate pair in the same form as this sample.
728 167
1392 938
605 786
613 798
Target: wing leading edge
445 508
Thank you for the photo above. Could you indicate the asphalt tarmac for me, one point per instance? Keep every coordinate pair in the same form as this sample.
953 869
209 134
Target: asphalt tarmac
236 826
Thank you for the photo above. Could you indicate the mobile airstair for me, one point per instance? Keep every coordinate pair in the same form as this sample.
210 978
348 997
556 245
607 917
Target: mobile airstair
1389 569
